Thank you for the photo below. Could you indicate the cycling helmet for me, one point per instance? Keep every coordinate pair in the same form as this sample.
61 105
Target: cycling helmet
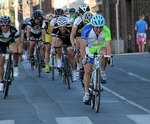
49 17
98 20
87 16
59 11
37 15
83 8
5 19
41 11
66 11
72 10
27 20
62 21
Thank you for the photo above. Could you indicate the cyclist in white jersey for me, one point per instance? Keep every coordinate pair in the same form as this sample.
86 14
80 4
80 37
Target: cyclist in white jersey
82 9
95 37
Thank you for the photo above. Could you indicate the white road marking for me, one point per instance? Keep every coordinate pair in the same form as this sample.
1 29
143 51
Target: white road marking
140 119
134 75
7 122
73 120
128 101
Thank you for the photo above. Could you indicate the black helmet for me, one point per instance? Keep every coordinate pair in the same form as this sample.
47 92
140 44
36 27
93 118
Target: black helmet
72 10
83 8
37 15
5 19
59 11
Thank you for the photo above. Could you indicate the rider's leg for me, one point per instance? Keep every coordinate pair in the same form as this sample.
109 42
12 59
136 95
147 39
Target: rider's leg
58 50
13 47
103 51
2 62
47 57
87 74
72 62
32 45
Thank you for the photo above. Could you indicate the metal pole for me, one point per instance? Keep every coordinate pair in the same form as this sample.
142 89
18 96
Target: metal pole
16 15
40 4
23 9
117 24
31 7
67 3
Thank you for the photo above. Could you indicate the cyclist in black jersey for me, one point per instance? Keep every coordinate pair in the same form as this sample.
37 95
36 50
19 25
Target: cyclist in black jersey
9 37
34 31
61 33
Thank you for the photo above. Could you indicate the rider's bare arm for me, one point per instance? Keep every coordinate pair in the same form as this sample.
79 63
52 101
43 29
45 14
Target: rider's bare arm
73 33
43 34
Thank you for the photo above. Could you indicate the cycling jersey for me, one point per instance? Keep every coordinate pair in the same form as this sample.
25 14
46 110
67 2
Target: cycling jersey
77 21
34 29
64 37
46 26
92 40
35 32
79 29
6 39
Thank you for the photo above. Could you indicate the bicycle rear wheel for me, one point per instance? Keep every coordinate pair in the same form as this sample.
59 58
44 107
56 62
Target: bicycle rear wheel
97 89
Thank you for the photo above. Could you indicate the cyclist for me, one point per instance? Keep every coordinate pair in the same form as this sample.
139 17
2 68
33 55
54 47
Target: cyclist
97 37
9 37
24 36
86 18
73 16
61 33
34 31
42 13
46 38
67 13
82 9
58 12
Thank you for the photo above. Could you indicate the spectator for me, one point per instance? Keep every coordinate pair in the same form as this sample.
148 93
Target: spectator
141 27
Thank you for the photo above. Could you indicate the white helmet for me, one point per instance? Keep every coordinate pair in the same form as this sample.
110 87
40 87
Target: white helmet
87 16
62 21
83 8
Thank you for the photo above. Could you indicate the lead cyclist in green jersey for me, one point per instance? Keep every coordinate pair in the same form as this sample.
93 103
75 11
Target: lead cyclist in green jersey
95 36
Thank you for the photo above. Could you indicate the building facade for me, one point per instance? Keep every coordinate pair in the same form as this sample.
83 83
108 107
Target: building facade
128 14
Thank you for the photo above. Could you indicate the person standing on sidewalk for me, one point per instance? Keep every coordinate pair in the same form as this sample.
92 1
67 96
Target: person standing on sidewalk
141 27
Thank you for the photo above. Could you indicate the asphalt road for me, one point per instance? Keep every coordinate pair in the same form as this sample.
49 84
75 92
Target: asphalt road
125 99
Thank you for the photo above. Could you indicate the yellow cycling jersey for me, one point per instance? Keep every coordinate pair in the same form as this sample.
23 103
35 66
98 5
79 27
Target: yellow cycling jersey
47 36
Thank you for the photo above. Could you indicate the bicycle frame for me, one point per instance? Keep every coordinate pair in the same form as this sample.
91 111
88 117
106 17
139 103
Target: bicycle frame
37 56
95 83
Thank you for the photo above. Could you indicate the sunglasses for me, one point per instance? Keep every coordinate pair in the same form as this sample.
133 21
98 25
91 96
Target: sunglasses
38 18
5 25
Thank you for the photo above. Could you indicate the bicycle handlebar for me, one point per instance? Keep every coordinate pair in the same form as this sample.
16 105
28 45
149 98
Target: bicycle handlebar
101 56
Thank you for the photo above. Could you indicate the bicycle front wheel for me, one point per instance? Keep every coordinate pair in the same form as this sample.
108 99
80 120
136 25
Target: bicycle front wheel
7 77
97 89
67 70
39 63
